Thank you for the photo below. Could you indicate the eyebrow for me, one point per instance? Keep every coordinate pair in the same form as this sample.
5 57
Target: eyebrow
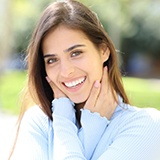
73 47
48 55
66 50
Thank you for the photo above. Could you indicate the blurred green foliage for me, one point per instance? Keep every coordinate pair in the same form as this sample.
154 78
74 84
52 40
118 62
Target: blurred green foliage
123 19
24 18
133 26
142 93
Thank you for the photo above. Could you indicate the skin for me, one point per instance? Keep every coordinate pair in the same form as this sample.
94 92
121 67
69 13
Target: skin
68 56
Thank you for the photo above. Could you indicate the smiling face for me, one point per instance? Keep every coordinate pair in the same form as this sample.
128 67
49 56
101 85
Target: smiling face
72 62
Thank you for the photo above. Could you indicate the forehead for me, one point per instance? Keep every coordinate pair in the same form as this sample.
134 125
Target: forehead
63 37
62 30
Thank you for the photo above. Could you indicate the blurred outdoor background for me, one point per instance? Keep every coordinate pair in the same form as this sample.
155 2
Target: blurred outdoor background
133 25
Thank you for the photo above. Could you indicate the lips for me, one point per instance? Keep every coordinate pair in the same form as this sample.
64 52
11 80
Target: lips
74 83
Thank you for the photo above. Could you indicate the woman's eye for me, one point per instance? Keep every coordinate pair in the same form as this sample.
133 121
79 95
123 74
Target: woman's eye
52 60
76 53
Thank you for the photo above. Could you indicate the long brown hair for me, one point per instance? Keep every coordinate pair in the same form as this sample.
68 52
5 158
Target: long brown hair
74 15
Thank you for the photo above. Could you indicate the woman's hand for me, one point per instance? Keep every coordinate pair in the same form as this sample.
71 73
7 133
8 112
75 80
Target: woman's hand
101 98
57 92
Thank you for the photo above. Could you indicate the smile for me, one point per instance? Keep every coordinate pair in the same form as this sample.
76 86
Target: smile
75 83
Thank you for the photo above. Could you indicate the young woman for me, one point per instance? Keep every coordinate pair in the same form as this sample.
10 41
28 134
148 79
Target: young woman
82 111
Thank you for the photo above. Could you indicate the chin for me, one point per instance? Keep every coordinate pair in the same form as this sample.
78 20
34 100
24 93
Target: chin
78 99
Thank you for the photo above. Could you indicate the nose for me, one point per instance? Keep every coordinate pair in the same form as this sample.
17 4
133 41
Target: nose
66 68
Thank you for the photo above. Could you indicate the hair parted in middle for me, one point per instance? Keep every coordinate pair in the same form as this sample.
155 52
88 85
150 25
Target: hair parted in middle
76 16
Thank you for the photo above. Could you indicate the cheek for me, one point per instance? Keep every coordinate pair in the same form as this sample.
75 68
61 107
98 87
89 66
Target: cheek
51 74
96 71
97 75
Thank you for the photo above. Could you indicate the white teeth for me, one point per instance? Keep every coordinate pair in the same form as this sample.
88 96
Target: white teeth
74 83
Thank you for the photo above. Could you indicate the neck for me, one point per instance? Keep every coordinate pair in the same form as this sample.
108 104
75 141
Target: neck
78 112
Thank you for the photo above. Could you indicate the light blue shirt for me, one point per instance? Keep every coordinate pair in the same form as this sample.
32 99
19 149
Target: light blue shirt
131 134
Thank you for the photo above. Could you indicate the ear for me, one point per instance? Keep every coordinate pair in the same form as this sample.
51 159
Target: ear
105 52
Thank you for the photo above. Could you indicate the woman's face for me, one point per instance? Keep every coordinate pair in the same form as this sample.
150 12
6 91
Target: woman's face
72 62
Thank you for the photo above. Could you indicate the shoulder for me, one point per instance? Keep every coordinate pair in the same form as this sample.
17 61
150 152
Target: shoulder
146 115
145 121
34 112
131 118
149 113
133 133
132 114
143 128
150 117
35 118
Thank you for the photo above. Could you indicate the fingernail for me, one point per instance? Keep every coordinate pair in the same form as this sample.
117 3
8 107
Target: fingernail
97 84
48 80
106 68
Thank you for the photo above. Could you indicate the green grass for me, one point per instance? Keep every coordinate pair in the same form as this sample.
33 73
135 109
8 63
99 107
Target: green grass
142 93
11 84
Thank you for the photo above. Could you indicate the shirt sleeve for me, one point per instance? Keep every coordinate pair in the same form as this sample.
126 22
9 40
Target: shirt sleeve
138 138
93 127
32 143
67 145
69 142
137 135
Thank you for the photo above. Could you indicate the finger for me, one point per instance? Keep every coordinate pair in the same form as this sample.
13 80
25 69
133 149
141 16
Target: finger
57 92
93 96
104 90
48 79
105 103
50 83
105 80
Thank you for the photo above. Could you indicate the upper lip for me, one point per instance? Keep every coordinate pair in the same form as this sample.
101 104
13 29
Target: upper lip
74 82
